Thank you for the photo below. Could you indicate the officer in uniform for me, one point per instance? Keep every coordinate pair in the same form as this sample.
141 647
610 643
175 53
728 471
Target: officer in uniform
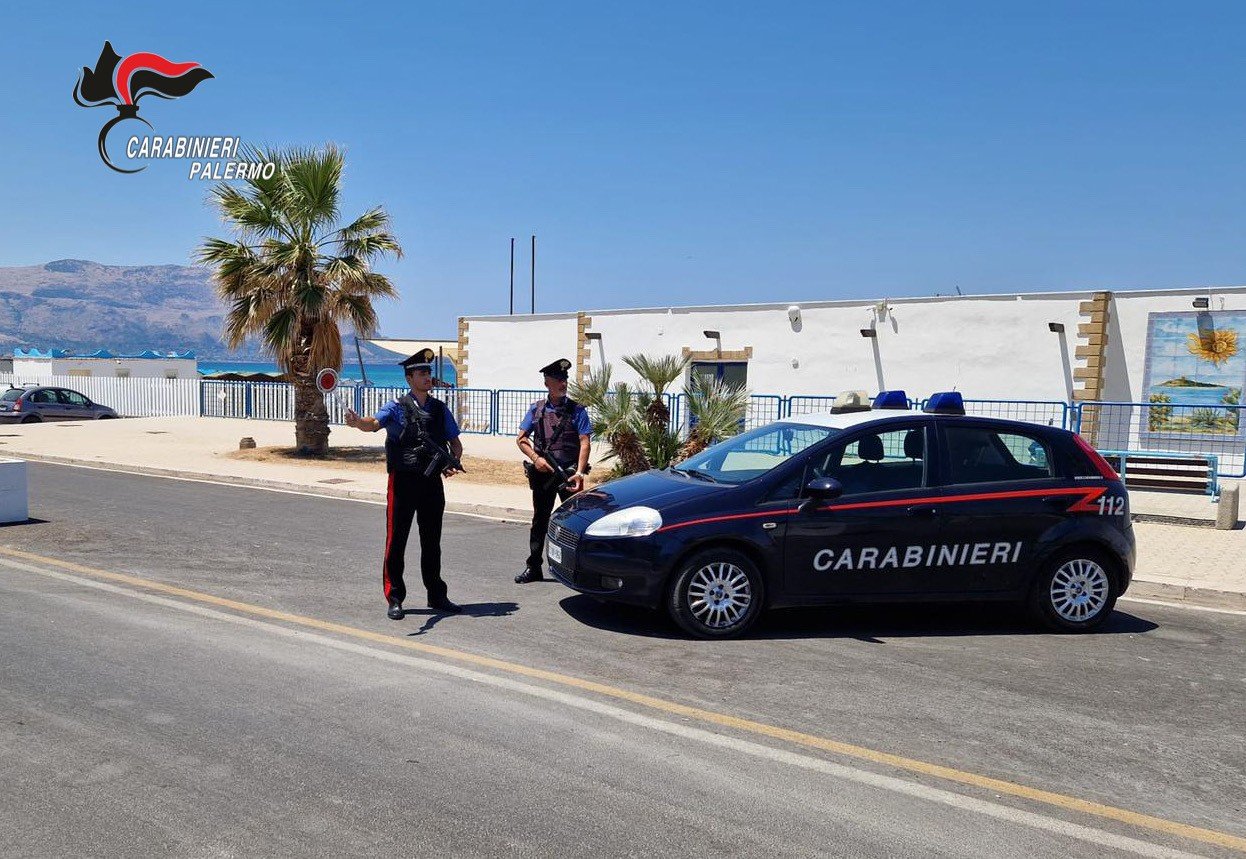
556 428
411 422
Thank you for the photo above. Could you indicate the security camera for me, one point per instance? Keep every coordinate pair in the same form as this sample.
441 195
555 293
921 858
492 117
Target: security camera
793 313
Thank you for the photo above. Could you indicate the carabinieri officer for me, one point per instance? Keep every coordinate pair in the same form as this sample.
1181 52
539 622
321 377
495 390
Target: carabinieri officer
411 422
555 429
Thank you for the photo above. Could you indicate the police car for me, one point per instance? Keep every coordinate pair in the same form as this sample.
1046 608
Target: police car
865 503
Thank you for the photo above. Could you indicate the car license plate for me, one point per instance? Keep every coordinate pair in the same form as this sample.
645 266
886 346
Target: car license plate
555 552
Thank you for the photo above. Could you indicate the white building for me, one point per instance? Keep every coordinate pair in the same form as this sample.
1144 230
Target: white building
1056 346
34 365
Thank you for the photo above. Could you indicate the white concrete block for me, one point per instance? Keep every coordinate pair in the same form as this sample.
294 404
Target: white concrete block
13 501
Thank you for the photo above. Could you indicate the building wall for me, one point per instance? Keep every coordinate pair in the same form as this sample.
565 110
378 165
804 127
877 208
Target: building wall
34 369
509 351
988 347
1127 333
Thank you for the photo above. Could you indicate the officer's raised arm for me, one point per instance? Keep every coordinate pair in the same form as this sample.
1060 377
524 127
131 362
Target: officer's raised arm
367 424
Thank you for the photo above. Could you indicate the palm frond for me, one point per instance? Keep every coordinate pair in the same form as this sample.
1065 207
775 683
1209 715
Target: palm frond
660 373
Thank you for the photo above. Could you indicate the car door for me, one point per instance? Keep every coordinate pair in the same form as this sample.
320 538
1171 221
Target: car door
44 403
870 541
72 406
998 480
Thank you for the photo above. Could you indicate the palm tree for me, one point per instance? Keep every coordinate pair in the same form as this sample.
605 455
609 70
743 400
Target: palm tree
659 374
716 411
616 418
292 272
625 418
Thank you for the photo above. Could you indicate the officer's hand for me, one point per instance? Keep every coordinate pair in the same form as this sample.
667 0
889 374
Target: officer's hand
352 419
542 465
451 471
576 484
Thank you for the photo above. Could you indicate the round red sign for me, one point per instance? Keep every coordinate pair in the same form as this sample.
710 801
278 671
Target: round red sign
326 380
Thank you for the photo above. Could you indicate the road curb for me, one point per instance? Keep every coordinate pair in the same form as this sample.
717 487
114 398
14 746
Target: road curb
1188 594
508 514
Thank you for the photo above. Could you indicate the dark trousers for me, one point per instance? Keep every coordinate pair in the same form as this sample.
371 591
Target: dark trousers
413 496
542 507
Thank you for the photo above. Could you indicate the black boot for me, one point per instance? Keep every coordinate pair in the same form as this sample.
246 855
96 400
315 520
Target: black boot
395 611
529 574
443 604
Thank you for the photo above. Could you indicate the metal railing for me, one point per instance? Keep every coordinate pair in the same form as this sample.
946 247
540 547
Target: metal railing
1168 428
1200 430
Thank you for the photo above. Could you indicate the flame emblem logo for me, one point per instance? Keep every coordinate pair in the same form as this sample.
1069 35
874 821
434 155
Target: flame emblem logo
122 82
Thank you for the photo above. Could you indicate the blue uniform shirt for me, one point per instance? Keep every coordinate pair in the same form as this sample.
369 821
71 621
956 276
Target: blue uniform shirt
583 425
394 419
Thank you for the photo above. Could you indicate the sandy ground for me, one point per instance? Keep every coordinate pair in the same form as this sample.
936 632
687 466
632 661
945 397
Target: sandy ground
478 469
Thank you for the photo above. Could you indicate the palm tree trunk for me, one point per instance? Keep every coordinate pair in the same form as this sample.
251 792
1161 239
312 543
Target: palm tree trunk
311 418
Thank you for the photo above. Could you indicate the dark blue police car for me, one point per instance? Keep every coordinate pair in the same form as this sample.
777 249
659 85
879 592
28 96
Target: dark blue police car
866 503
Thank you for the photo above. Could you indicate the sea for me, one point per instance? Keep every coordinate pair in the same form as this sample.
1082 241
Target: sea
1192 396
380 375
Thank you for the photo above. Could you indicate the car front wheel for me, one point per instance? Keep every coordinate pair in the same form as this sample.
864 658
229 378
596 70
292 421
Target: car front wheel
717 593
1075 591
32 419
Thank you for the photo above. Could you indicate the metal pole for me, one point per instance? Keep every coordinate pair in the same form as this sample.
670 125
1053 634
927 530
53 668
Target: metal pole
362 372
534 274
512 275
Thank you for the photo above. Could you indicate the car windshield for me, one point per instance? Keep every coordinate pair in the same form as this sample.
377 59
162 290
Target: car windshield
753 453
11 395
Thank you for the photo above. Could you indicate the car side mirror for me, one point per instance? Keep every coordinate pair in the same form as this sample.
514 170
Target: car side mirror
820 489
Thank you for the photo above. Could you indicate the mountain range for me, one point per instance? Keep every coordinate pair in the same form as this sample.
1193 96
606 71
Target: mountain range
82 306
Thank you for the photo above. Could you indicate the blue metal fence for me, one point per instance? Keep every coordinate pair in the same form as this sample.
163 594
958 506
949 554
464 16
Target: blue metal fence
1217 430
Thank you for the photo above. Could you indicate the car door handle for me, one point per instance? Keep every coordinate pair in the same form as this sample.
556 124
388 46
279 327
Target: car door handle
924 512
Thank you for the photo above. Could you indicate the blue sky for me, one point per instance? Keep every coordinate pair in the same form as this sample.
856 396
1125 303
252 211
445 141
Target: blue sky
674 153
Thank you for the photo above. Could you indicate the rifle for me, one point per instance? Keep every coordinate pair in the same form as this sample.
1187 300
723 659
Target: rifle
439 458
560 477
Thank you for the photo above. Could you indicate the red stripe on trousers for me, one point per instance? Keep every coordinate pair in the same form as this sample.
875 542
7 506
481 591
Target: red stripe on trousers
389 535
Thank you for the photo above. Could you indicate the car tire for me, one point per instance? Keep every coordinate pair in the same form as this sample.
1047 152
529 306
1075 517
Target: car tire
1075 591
105 417
717 593
32 419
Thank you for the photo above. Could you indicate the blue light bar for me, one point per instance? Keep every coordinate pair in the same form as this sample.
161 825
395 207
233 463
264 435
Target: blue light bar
945 403
891 400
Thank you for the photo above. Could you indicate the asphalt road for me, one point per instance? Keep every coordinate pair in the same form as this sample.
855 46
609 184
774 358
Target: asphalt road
298 720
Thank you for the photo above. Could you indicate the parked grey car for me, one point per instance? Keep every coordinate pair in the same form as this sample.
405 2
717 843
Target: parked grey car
43 403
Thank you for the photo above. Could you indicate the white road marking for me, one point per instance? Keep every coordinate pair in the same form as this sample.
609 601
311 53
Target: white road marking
1099 837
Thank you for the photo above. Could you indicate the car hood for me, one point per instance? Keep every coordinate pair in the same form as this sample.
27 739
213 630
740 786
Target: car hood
660 490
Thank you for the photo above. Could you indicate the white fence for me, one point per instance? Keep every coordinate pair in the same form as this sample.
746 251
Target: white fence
130 397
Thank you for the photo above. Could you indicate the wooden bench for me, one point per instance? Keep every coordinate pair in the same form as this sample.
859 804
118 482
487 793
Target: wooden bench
1166 471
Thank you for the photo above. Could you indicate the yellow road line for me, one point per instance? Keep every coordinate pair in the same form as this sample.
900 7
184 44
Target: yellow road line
1008 788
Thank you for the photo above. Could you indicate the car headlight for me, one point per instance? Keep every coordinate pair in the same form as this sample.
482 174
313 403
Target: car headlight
630 522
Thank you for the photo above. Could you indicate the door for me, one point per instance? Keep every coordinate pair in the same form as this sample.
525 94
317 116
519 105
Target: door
73 405
873 540
44 403
996 508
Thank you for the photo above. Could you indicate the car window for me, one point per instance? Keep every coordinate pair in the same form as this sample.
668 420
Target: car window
42 397
73 398
876 462
11 395
984 455
756 452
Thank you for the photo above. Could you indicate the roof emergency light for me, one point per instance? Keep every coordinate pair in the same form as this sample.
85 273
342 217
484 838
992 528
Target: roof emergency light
945 403
891 400
851 401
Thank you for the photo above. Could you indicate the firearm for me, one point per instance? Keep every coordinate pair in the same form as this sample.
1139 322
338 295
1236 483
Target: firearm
439 458
561 476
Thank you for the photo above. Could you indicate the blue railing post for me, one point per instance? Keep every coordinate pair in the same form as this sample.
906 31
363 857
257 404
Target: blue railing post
246 399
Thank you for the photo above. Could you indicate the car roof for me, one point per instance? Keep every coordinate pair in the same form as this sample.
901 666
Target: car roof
848 420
